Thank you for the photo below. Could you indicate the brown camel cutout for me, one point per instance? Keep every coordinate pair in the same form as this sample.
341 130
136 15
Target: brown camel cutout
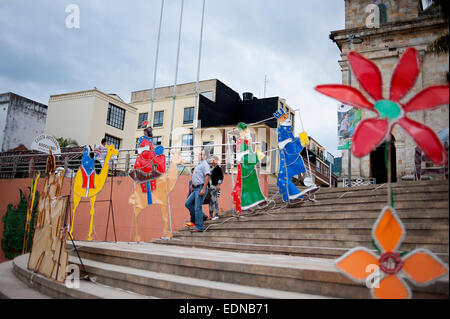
164 185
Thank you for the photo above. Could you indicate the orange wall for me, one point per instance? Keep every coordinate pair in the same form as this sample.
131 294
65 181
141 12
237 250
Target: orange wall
149 221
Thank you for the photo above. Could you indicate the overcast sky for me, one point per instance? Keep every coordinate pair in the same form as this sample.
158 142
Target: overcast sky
114 50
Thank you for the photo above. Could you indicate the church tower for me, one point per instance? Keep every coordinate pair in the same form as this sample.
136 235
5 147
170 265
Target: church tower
381 30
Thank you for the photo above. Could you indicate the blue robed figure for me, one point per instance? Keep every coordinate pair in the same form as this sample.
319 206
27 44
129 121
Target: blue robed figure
291 162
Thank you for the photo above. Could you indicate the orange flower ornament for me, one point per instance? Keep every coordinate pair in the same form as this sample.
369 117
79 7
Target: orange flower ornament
419 266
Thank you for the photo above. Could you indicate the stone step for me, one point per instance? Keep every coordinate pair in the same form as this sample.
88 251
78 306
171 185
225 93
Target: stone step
292 250
321 194
361 207
171 286
275 273
375 198
328 237
440 216
12 287
324 193
426 186
53 289
310 212
341 224
420 208
410 244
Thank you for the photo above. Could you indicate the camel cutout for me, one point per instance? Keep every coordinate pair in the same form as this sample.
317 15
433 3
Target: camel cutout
164 185
89 186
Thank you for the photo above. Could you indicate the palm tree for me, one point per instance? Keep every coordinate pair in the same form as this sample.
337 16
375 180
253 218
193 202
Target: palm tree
441 44
66 142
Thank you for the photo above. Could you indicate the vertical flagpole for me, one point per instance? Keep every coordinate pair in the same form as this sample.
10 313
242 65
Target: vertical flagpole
150 116
196 84
176 77
173 110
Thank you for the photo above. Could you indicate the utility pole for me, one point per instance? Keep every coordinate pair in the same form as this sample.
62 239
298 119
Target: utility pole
265 84
349 180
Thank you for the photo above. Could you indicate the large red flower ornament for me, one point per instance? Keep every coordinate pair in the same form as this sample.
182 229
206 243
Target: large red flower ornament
373 131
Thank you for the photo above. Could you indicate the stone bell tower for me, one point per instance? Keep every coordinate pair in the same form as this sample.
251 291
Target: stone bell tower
360 13
381 30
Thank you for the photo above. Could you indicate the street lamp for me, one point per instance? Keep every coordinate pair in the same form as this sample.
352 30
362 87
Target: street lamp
355 39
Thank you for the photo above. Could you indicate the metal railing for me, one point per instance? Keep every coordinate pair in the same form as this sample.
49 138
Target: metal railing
24 164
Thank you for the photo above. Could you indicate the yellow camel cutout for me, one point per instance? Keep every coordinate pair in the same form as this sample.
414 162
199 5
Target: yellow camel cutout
164 185
91 193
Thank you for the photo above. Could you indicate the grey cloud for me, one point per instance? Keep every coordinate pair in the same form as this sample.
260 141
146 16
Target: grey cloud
114 49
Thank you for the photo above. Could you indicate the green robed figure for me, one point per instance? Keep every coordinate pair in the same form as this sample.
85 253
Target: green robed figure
247 192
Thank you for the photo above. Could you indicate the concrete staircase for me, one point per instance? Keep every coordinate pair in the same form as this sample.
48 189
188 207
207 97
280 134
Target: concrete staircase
285 253
339 219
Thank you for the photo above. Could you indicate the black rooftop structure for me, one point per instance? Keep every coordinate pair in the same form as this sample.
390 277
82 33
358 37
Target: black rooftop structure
230 109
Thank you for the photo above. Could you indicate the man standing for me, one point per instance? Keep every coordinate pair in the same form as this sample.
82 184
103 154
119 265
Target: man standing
200 181
216 182
100 151
291 162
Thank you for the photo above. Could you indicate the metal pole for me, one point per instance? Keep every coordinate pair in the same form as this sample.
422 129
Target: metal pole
150 116
306 146
350 37
176 76
331 173
194 123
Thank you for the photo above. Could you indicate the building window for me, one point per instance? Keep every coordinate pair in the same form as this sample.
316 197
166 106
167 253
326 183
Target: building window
115 117
158 119
142 118
157 140
188 115
325 171
264 149
187 141
318 166
111 140
208 95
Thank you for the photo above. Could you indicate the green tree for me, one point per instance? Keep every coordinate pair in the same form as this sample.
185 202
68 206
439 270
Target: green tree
14 227
441 44
66 142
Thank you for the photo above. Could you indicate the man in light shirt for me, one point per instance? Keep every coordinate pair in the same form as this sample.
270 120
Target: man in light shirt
199 189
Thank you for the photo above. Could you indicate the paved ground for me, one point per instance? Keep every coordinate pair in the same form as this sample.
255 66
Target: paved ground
12 287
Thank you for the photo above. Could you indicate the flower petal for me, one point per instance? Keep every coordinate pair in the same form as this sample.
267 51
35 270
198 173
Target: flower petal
368 75
423 267
426 139
392 287
368 135
427 99
405 74
388 231
354 263
345 94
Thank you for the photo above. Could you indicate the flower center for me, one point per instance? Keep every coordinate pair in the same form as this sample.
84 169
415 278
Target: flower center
391 263
389 109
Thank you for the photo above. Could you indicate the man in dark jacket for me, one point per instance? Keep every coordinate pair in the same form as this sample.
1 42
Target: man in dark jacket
216 182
